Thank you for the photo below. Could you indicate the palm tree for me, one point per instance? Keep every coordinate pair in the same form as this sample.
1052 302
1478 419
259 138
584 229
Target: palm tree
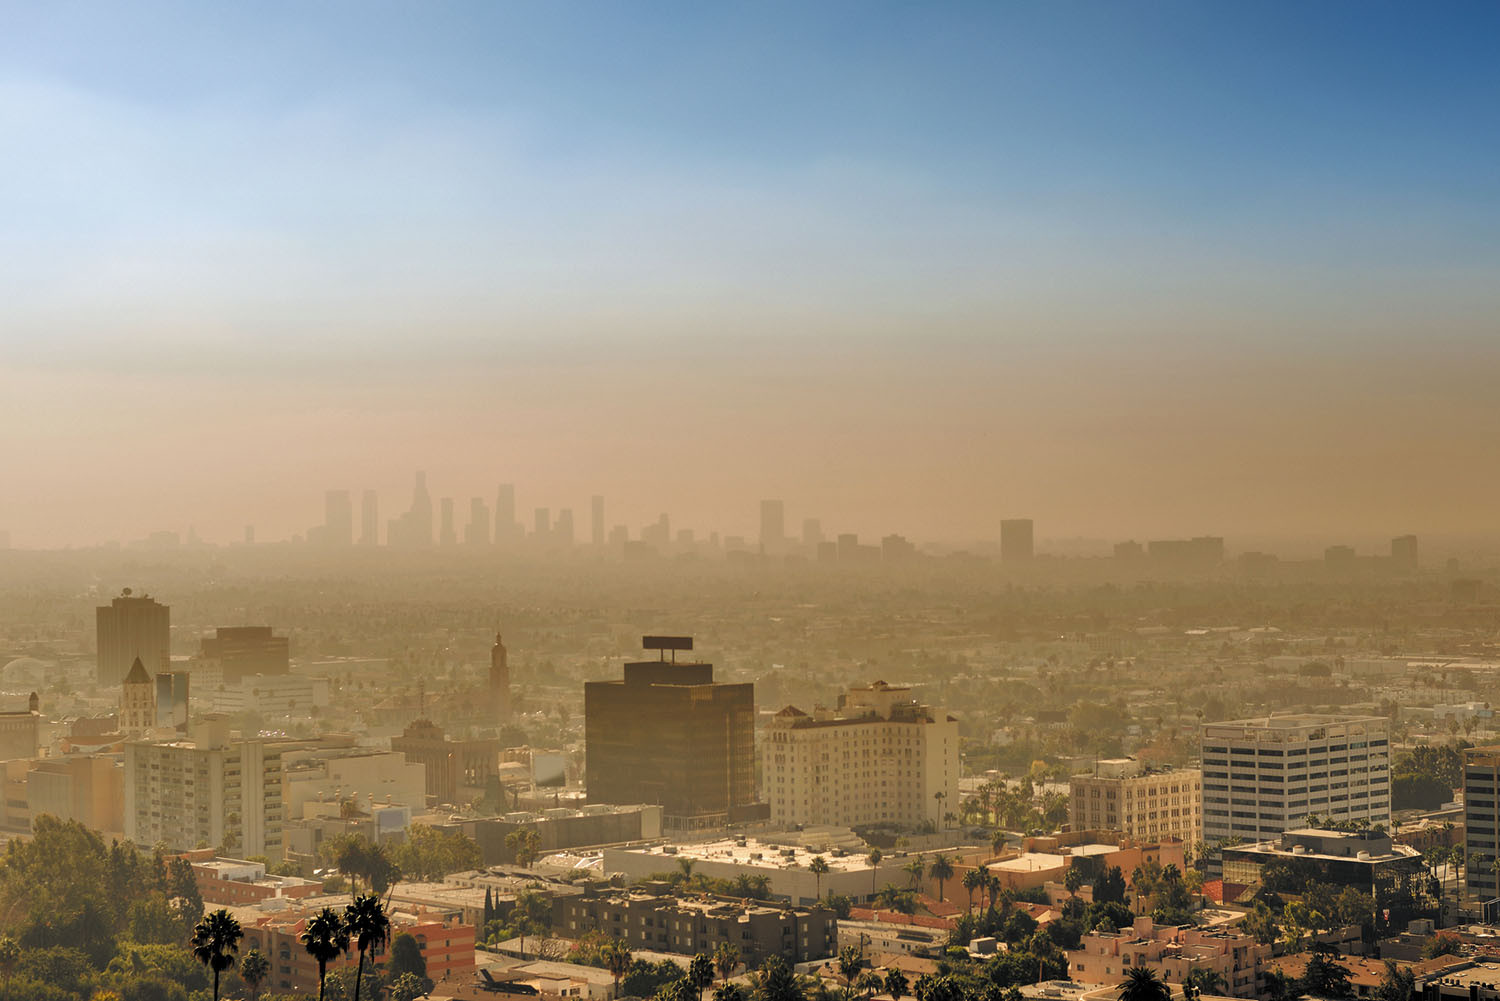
1205 981
215 941
895 983
818 866
1142 984
874 859
325 939
254 969
915 870
973 880
942 871
700 972
851 960
369 928
869 984
726 958
940 796
617 960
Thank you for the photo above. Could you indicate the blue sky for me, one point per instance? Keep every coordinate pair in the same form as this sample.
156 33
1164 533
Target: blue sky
355 193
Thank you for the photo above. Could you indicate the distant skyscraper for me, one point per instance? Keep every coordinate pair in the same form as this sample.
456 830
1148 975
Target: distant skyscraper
369 519
249 535
598 521
244 651
338 518
448 536
563 530
505 513
812 533
1015 540
1404 552
542 523
131 627
478 532
414 528
772 525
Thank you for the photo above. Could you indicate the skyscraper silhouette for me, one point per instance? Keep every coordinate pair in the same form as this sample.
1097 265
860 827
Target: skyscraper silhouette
1015 540
369 519
338 518
505 514
598 521
772 526
132 627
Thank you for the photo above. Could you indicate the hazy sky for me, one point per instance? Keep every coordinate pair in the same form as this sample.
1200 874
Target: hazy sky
1129 269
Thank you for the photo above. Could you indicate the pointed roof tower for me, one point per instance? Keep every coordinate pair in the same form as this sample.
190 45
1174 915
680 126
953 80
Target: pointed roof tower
137 675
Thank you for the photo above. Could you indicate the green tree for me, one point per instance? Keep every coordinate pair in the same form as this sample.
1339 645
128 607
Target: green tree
10 955
914 870
851 960
700 972
726 959
1142 984
524 845
942 871
874 859
325 939
409 987
895 983
729 992
616 960
972 880
818 866
254 969
215 941
369 929
430 854
775 981
1326 977
1398 984
405 957
1073 879
1205 981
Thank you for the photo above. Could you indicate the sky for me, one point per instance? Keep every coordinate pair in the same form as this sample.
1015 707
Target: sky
1132 270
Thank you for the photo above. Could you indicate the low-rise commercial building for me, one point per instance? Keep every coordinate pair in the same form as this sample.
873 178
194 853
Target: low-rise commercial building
562 828
785 868
690 926
1174 952
1365 860
1123 795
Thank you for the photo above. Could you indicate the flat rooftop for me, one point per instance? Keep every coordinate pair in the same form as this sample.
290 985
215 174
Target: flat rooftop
753 854
1293 721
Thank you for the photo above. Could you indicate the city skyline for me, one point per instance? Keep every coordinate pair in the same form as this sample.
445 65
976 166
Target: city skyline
1228 267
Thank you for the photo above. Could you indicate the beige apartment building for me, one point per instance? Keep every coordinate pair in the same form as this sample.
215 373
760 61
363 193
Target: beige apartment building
1124 795
208 791
880 757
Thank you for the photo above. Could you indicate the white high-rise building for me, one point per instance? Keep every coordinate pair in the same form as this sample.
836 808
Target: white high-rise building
880 757
1267 775
208 790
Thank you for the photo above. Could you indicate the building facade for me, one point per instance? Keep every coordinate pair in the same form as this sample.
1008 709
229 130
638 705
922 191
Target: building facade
131 627
669 734
1264 776
244 651
1123 795
1482 820
881 757
668 924
457 770
210 790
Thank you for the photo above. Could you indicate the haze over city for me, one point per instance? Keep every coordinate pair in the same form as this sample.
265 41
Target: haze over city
912 269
